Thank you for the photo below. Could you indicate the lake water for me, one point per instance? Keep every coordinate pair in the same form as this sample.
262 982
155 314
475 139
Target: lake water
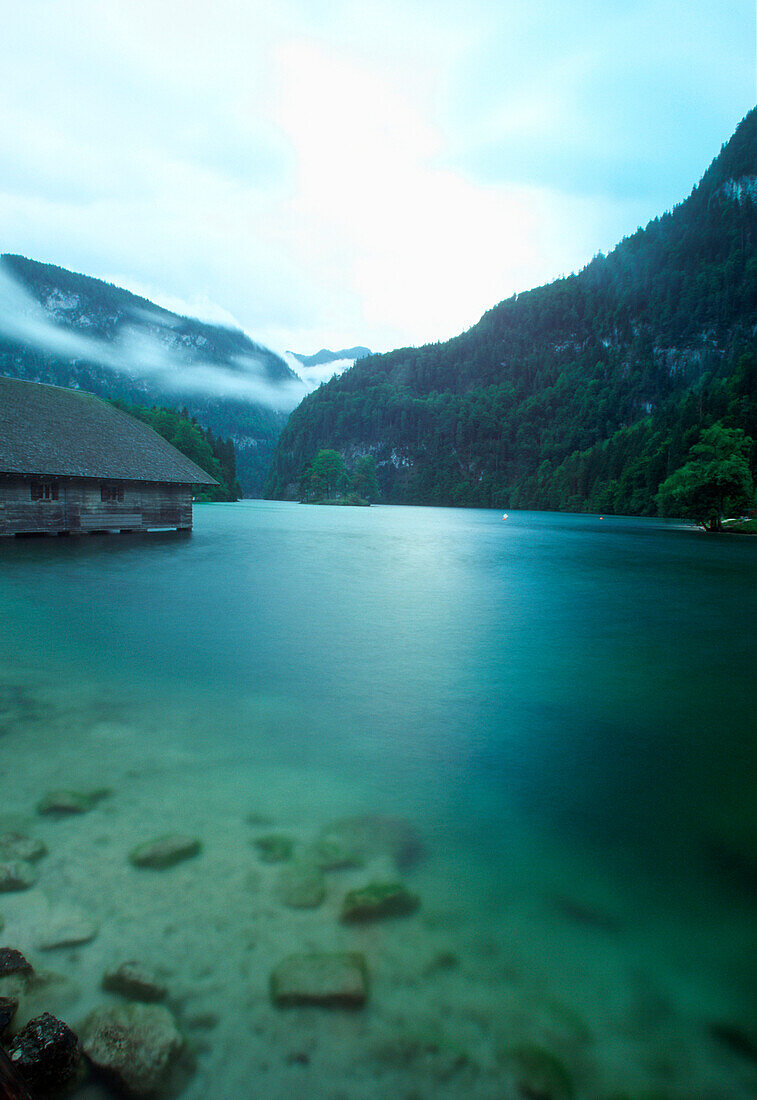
558 710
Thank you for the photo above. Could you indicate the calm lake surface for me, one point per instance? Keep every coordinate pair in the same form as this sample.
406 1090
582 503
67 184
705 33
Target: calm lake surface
560 708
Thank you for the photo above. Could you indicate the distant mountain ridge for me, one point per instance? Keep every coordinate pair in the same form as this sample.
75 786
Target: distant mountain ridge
581 394
325 356
73 330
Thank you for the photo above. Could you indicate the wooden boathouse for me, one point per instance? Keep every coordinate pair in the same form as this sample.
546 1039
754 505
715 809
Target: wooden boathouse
72 464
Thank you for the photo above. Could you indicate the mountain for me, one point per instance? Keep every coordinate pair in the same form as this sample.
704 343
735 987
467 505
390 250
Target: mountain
325 356
583 394
73 330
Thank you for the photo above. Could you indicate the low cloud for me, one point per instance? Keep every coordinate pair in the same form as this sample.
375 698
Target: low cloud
314 376
148 349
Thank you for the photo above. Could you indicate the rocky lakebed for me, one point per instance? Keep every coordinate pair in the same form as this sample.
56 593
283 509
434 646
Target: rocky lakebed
206 926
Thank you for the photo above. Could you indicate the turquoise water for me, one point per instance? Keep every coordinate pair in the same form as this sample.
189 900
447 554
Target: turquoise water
561 707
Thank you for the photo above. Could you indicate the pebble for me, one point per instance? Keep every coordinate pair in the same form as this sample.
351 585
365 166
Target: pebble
336 980
62 803
68 931
13 962
135 981
16 874
18 846
165 851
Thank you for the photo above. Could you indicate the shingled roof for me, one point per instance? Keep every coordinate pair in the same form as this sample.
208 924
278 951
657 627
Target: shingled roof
46 430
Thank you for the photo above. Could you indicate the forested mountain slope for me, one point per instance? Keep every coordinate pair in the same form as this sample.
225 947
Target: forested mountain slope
582 394
72 330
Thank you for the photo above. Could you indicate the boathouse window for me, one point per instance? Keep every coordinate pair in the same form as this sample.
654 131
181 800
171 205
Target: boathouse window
44 490
111 494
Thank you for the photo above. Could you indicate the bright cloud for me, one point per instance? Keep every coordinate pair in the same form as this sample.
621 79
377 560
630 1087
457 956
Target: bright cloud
330 173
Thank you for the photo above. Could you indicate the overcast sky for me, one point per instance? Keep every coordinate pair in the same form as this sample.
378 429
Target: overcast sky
328 173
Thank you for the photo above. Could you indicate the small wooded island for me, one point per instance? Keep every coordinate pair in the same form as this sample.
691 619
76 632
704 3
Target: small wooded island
327 480
71 463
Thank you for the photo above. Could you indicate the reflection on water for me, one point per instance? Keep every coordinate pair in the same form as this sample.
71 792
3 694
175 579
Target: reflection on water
557 711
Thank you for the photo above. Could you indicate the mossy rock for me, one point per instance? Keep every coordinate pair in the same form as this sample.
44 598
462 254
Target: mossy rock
539 1074
165 851
63 803
376 901
332 853
274 848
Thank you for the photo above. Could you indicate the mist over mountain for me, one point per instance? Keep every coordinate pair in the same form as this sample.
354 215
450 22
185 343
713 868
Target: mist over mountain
325 356
72 330
583 394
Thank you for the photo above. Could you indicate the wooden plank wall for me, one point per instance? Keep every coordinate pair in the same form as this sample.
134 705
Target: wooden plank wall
80 509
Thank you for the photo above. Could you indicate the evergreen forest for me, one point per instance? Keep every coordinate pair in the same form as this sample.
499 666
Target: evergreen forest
586 394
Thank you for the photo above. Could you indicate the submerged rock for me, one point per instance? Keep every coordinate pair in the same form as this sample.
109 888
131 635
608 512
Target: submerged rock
377 900
332 853
133 1046
46 1053
135 981
68 930
165 851
64 802
442 960
539 1074
16 874
301 886
579 913
374 834
18 846
336 980
13 962
8 1007
274 848
737 1039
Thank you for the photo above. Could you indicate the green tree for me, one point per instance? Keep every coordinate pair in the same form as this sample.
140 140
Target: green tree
306 482
715 481
215 456
364 481
328 474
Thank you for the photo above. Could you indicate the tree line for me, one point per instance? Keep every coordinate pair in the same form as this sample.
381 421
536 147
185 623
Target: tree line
582 395
213 454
